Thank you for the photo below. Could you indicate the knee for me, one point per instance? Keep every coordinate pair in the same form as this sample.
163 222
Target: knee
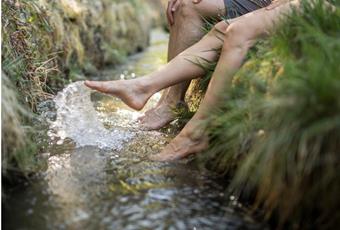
186 10
221 27
238 35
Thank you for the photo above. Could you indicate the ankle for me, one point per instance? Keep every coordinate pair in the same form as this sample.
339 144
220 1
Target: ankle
144 86
173 101
195 132
173 98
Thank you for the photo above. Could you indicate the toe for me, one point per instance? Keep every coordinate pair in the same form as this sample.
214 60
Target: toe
180 148
167 154
148 127
94 85
164 157
141 118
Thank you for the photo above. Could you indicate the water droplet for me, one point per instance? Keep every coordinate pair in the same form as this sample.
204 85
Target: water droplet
60 142
78 120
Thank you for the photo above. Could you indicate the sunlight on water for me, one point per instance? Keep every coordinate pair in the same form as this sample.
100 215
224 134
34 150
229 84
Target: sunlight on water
87 124
78 120
106 181
113 113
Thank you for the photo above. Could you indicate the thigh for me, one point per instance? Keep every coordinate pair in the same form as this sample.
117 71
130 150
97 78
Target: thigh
261 22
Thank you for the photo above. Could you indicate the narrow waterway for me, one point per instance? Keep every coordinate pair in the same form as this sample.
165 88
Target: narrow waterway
98 174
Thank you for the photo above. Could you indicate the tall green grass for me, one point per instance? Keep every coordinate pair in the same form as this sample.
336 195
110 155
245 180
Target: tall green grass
277 132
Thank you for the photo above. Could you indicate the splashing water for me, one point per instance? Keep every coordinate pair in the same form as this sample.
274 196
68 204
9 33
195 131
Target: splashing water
78 120
92 188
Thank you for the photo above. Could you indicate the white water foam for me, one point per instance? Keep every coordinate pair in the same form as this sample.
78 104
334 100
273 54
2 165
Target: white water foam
78 120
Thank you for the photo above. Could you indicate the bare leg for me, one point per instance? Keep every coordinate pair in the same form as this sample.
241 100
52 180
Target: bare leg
239 37
136 92
187 30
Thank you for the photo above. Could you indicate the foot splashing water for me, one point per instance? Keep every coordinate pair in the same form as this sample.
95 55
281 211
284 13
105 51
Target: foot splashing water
78 120
106 181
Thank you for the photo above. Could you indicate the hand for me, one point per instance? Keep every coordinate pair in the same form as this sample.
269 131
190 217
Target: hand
172 7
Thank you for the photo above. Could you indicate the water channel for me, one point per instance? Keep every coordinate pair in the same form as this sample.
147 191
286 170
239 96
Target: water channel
98 175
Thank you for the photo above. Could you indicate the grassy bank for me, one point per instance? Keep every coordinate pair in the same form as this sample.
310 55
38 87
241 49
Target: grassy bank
46 44
277 132
17 148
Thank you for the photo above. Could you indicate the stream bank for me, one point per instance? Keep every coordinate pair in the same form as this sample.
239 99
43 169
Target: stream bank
48 44
115 186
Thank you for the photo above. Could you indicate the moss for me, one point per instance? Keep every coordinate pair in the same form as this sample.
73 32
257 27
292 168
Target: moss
277 131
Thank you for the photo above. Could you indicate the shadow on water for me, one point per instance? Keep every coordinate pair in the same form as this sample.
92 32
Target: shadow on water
110 187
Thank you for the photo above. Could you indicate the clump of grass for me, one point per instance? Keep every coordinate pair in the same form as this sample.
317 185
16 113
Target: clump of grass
278 131
45 42
17 148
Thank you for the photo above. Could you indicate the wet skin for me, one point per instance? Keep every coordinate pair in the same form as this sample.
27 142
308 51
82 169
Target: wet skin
191 139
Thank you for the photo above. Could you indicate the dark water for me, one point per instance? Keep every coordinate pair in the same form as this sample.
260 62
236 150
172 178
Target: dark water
116 186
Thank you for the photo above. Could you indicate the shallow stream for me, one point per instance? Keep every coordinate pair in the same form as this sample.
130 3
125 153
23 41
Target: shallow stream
98 174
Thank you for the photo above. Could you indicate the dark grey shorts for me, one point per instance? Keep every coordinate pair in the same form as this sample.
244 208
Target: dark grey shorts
236 8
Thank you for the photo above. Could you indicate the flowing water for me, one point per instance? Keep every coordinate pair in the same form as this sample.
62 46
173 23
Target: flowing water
98 175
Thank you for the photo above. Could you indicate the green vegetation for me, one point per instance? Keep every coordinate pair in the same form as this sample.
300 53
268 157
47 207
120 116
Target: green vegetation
46 44
17 149
277 132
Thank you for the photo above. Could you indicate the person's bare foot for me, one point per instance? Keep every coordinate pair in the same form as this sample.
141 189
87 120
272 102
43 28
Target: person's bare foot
131 92
186 143
160 116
